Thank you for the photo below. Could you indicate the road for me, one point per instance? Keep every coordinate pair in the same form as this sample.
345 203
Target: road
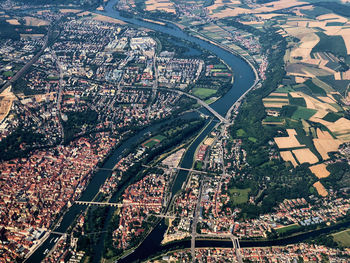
202 103
59 94
155 85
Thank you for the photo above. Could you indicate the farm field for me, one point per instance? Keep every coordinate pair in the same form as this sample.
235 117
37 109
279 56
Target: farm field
287 156
160 5
320 170
288 142
320 189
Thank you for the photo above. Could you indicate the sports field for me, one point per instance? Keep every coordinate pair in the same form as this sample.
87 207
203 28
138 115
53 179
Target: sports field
153 141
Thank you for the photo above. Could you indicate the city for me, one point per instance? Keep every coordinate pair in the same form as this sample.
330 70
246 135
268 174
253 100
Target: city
165 131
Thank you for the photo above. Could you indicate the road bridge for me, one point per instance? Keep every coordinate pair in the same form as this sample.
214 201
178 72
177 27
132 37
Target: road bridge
237 248
104 169
202 103
57 233
164 216
179 168
199 101
117 204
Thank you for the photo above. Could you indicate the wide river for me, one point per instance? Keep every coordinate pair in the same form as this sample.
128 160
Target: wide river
244 78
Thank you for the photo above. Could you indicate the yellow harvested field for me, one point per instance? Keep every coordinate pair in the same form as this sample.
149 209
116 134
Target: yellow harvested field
320 24
70 10
324 146
299 80
287 156
252 22
295 94
108 19
297 10
288 142
282 4
298 32
32 21
340 128
160 5
346 36
274 105
280 94
219 3
14 22
305 156
43 11
229 12
267 16
320 114
269 99
313 103
307 42
332 17
6 101
320 170
324 135
309 103
326 99
102 18
320 189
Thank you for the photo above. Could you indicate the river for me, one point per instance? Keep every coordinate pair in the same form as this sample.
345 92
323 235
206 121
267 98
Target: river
244 78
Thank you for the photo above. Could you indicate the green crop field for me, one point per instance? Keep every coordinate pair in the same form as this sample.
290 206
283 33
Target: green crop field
334 44
303 113
334 24
297 101
314 88
331 117
239 196
203 93
284 89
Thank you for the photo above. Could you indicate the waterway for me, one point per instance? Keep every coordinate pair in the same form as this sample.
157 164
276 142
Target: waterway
244 79
151 247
